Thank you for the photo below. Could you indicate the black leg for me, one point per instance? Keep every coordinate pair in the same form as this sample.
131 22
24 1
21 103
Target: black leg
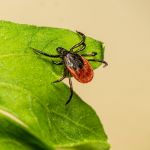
45 54
80 43
81 48
102 61
90 54
58 63
63 77
71 90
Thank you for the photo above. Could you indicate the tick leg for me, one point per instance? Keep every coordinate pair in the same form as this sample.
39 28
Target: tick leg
80 43
102 61
90 54
82 48
57 63
71 91
43 53
63 77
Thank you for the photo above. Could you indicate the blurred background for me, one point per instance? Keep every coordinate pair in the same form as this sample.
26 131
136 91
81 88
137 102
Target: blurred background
120 93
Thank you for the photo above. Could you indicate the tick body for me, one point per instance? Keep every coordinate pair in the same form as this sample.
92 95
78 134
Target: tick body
79 67
74 64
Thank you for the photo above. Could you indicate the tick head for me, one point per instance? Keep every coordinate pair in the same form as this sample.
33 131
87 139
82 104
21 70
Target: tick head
60 50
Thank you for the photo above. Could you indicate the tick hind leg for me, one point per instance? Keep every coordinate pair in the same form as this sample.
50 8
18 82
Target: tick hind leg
82 42
71 90
102 61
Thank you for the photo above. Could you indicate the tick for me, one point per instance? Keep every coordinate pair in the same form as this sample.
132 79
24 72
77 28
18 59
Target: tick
75 64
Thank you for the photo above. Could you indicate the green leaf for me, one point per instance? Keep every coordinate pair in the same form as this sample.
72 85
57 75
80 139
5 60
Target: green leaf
33 114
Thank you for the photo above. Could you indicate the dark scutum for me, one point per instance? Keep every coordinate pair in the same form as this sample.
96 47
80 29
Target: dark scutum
74 61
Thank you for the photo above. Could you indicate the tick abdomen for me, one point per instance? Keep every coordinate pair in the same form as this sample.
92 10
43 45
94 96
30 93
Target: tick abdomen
79 67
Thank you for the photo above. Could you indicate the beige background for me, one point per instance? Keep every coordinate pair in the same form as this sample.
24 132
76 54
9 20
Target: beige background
119 93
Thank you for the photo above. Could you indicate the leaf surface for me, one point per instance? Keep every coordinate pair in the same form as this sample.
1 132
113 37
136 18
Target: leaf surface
33 114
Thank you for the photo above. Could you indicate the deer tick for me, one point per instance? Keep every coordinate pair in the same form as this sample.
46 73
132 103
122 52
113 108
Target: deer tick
74 64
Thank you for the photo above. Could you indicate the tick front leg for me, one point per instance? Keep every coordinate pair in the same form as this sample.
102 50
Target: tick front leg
81 48
45 54
81 42
71 90
90 54
102 61
63 77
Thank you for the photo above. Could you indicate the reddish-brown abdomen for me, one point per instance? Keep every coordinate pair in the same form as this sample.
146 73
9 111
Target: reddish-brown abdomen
83 75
